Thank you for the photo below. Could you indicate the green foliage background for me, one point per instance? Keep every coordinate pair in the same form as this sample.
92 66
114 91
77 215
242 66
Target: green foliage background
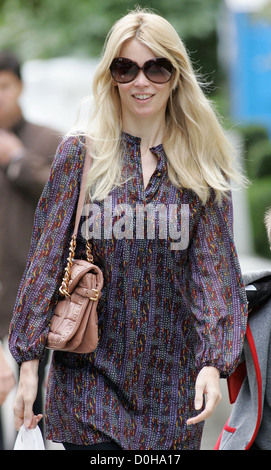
51 28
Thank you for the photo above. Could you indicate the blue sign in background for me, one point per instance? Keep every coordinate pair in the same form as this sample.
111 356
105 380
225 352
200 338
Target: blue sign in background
250 74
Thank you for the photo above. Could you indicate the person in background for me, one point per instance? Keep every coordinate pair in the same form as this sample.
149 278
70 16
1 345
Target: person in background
26 152
249 424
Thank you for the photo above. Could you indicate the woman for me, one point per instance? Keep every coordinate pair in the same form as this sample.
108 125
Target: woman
171 317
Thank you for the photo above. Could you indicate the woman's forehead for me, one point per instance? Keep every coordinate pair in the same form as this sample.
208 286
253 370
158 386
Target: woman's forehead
136 50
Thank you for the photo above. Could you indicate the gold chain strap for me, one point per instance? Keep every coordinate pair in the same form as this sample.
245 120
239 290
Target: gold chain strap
88 251
64 288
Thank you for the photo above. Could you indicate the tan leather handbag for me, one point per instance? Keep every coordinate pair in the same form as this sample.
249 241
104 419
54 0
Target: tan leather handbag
74 325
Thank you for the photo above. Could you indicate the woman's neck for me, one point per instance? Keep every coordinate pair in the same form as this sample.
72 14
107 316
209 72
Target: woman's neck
151 133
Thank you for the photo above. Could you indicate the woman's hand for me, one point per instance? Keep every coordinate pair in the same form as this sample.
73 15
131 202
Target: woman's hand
207 383
26 396
7 378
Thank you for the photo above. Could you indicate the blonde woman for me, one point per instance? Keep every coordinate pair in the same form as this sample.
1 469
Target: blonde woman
172 315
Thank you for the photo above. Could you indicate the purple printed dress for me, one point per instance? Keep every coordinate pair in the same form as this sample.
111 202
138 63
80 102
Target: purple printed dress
165 312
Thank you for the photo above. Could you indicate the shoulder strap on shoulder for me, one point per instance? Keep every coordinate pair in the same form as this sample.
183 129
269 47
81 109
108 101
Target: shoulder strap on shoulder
81 199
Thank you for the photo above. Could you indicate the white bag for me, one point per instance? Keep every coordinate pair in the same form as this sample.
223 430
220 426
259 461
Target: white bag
29 439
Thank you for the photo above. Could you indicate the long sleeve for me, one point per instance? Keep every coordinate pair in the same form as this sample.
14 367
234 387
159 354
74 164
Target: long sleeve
48 252
216 290
30 171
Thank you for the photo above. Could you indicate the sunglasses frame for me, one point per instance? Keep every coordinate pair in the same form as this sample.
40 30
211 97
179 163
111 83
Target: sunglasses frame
143 68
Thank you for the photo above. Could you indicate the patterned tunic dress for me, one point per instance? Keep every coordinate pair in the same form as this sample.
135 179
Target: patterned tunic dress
166 310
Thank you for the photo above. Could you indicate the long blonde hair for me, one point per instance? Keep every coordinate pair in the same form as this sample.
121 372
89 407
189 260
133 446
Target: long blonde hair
199 155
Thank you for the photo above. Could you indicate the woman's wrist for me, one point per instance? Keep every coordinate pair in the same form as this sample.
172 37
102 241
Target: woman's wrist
30 366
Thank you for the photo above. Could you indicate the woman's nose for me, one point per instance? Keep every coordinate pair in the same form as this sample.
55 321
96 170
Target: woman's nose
141 79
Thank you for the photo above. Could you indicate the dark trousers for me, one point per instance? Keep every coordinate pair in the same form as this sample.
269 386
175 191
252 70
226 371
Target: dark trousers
38 405
102 446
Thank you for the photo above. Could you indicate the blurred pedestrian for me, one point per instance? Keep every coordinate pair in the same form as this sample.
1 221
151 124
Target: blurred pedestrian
171 318
249 425
26 152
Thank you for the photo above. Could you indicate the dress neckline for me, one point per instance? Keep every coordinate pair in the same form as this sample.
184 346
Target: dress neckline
137 140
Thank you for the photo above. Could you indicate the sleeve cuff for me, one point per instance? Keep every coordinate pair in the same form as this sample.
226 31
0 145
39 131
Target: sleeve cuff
13 169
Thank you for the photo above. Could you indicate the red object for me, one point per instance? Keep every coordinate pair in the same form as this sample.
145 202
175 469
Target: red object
235 381
234 384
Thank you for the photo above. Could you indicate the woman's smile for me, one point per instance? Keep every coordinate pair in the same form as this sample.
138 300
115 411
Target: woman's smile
144 98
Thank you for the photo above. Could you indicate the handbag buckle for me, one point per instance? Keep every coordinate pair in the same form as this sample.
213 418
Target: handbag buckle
96 295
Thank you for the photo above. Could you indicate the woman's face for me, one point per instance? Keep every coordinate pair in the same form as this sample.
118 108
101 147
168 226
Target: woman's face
141 98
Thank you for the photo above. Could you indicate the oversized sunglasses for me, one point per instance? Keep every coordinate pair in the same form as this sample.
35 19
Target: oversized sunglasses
158 70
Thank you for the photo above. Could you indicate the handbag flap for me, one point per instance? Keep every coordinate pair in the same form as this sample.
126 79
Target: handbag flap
79 268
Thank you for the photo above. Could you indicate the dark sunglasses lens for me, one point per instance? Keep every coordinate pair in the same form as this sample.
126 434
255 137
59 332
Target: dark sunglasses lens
159 70
123 70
